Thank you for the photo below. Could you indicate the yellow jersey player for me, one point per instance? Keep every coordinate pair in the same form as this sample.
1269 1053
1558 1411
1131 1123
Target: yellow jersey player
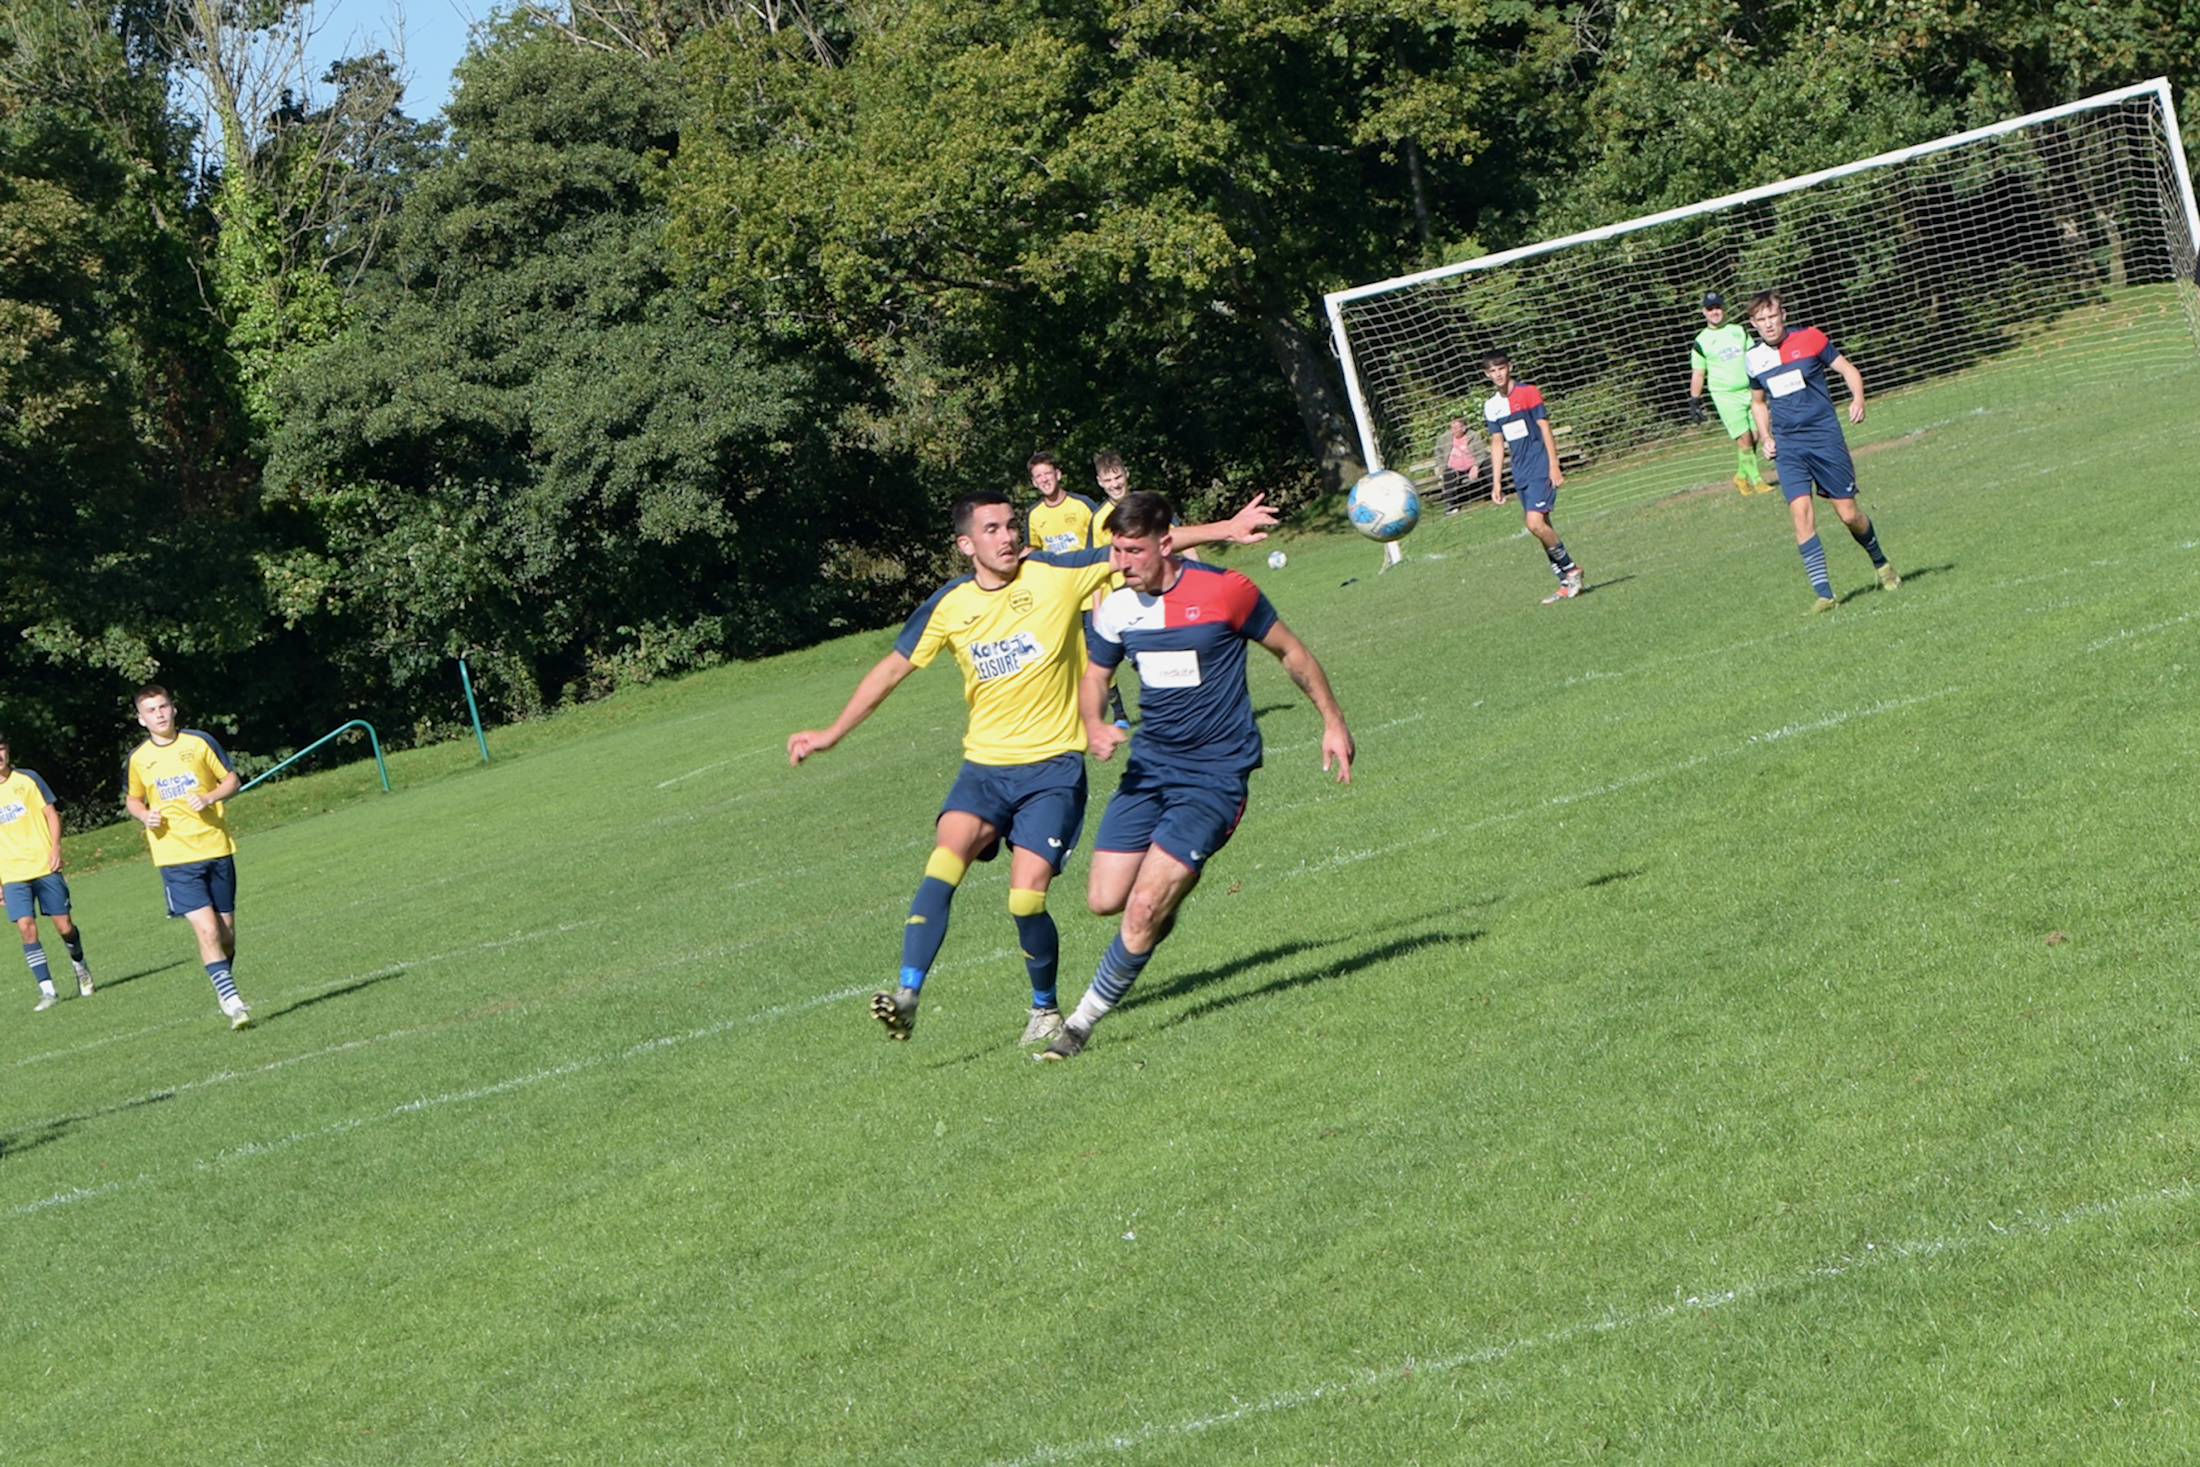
30 874
1061 521
178 779
1014 625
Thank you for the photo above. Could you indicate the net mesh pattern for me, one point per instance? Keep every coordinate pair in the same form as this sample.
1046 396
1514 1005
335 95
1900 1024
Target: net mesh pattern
2064 236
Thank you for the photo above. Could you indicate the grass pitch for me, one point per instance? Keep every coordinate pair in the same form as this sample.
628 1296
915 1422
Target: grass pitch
1704 1032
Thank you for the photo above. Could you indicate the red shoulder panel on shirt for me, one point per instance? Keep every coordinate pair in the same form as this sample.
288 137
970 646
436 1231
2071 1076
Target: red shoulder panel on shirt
1797 345
1208 595
1526 395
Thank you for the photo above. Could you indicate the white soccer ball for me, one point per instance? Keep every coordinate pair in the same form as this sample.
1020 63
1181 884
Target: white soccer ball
1277 560
1384 506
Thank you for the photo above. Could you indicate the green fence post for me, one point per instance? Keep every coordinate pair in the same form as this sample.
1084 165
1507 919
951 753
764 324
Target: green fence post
467 679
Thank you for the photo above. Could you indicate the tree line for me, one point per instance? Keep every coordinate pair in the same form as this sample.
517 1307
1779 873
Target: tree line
669 340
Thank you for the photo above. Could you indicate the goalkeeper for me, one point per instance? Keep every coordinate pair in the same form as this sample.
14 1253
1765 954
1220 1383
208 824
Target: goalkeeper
1715 360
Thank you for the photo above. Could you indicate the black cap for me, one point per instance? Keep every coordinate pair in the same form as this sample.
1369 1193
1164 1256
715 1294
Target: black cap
1713 298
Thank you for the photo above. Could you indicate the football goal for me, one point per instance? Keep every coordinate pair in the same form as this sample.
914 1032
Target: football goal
2068 230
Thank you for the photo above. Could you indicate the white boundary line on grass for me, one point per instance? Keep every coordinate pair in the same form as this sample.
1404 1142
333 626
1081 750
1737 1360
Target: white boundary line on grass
1611 1321
435 1102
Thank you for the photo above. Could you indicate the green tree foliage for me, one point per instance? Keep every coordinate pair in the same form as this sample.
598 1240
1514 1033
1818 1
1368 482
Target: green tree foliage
123 489
1107 221
532 449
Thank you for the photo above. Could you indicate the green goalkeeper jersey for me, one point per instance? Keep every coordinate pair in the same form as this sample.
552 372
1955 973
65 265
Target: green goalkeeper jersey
1719 354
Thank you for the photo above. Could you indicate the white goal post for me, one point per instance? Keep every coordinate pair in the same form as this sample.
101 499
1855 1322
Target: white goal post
1921 262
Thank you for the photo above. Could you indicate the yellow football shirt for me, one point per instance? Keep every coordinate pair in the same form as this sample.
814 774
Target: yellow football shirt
1101 519
26 842
1022 649
1061 528
162 777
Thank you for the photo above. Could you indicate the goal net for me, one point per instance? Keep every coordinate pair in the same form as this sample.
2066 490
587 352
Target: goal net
2052 233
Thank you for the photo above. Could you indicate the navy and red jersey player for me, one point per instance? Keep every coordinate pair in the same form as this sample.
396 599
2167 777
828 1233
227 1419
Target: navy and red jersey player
1797 428
1521 430
1185 626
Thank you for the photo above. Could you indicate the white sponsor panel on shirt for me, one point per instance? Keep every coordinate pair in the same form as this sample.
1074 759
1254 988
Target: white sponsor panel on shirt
9 814
175 786
1169 669
1062 544
1517 429
1785 382
1005 658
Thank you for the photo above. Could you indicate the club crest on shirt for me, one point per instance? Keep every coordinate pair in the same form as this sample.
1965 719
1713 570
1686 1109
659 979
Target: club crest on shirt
1194 611
1006 657
1021 601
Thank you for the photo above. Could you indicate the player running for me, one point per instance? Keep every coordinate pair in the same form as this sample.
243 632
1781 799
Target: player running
177 781
1060 521
1518 422
1715 359
1787 379
30 875
1184 787
1013 623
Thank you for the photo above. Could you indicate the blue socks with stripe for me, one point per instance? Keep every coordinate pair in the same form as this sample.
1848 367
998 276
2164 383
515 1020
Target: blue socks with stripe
224 989
1814 565
1119 969
1868 537
35 955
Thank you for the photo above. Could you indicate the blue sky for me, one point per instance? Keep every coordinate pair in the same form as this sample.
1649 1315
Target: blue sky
434 33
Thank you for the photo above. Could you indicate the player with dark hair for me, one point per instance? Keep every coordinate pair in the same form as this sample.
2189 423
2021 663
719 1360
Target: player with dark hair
176 783
1787 379
1715 360
1013 624
1184 785
1517 421
30 875
1060 521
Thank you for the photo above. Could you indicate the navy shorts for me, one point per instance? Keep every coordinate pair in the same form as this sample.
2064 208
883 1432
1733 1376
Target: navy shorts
48 894
1039 807
1191 819
1535 494
196 884
1804 463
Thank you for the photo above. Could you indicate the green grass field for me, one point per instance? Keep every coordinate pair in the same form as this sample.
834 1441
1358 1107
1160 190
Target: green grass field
1702 1033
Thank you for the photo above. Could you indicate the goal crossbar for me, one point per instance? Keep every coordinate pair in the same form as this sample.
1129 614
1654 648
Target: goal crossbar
2157 89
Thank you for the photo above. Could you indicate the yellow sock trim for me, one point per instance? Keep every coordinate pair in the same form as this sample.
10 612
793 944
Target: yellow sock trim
946 866
1026 903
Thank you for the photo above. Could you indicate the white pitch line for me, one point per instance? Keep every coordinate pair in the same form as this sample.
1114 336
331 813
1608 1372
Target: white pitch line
718 764
425 1103
1874 1255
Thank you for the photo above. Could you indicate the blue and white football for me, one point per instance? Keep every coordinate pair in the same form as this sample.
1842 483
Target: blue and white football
1383 506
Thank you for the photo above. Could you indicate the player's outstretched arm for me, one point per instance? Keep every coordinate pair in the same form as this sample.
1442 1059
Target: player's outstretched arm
1249 526
1855 379
1337 746
1101 735
870 692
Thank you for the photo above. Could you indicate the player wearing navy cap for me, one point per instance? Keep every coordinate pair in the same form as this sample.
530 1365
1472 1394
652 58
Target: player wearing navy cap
1183 790
1788 396
1716 360
1520 428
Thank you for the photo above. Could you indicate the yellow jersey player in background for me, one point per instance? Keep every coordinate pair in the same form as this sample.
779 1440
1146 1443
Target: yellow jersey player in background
177 782
30 874
1061 521
1015 625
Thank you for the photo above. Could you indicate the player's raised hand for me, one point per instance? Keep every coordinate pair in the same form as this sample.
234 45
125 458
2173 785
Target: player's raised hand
1337 750
1250 525
810 741
1104 738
